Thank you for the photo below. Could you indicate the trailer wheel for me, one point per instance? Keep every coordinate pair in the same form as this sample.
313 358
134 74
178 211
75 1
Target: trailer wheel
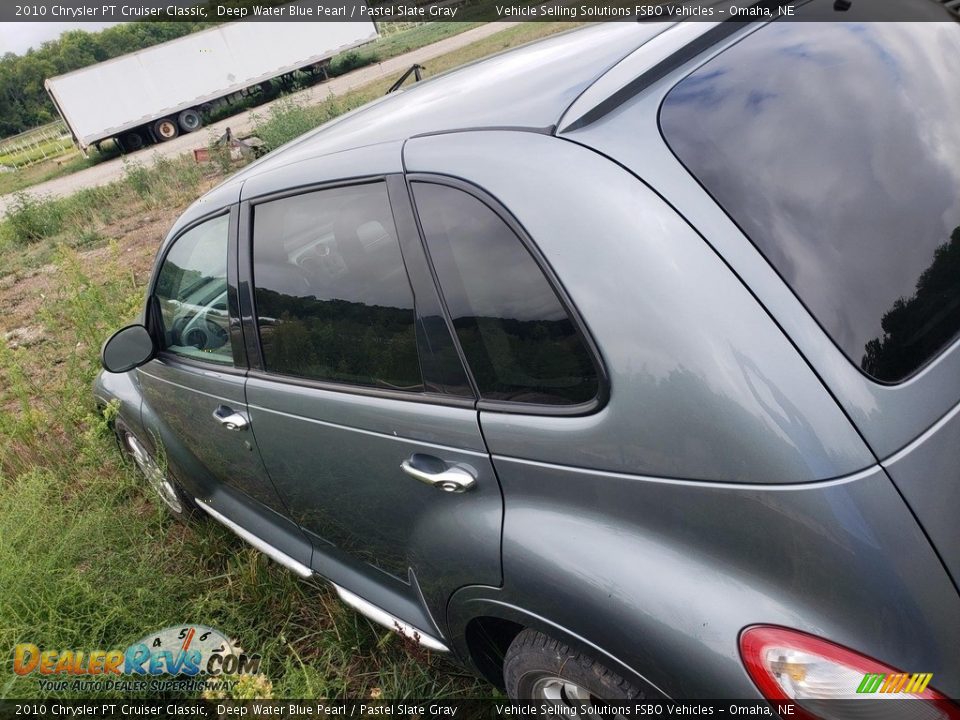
131 141
189 120
166 129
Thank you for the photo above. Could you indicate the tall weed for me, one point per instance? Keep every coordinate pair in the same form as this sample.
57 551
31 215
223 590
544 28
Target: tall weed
288 120
72 219
30 218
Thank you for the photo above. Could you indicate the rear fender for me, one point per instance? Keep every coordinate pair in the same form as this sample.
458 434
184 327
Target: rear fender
477 603
660 577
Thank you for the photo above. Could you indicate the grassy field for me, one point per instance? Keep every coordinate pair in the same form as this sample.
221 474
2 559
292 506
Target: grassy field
87 558
41 172
52 148
50 141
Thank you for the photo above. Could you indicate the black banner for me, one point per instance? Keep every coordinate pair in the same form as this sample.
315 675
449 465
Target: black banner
476 10
461 709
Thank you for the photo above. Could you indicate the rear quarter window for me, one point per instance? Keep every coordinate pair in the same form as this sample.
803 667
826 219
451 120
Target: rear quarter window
519 340
836 148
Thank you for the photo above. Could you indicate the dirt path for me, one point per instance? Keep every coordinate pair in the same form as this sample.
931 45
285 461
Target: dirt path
111 170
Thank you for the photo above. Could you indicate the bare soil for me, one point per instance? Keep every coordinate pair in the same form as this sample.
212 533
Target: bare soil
21 295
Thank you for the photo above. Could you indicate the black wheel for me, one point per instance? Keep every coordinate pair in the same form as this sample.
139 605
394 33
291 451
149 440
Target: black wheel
189 120
158 478
166 129
537 667
131 141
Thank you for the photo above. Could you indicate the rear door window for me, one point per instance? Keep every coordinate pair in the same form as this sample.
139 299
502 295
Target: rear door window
836 148
519 341
333 300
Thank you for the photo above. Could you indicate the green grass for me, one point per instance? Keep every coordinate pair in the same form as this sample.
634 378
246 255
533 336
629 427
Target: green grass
88 560
48 141
34 229
69 163
23 178
50 149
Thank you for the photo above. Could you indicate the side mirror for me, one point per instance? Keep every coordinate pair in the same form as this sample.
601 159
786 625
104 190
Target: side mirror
127 349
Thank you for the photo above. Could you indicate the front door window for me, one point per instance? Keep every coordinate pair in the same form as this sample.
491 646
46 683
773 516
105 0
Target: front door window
191 295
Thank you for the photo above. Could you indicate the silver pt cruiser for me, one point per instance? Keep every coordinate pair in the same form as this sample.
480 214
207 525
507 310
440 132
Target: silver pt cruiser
621 365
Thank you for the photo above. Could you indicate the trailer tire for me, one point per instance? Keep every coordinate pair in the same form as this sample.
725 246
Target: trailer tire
131 141
189 120
166 129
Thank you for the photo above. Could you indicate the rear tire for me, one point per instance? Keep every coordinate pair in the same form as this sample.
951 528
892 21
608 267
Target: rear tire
159 480
132 141
166 129
537 667
189 120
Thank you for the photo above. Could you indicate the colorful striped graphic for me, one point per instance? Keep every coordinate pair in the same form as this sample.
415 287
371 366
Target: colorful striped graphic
914 683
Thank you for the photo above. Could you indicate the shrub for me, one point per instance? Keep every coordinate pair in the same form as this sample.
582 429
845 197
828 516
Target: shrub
137 177
285 120
30 218
348 61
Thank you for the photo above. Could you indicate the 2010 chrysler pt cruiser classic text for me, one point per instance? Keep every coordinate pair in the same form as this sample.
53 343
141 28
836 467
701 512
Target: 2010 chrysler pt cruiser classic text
619 365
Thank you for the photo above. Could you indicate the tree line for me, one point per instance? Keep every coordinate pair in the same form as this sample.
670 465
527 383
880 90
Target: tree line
915 329
24 102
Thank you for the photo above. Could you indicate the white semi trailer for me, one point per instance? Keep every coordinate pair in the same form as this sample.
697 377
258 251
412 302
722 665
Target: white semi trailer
153 95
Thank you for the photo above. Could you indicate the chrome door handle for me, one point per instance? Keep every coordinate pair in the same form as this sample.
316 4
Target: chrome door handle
454 479
231 419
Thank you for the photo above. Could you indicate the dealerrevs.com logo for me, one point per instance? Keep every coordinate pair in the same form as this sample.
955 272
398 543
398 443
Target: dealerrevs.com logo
184 651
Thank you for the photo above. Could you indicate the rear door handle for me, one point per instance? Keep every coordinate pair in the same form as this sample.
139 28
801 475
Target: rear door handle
230 418
448 479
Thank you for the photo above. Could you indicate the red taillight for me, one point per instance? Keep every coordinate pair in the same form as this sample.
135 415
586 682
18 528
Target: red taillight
823 680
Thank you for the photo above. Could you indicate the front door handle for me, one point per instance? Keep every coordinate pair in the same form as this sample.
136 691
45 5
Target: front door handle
448 479
231 419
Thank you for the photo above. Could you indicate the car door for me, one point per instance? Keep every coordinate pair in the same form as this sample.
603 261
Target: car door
194 407
364 415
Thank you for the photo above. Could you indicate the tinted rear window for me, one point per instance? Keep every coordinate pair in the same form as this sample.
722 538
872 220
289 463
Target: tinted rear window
836 147
517 337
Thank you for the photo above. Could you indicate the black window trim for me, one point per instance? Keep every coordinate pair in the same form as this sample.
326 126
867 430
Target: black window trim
364 390
149 312
583 331
258 369
173 360
411 246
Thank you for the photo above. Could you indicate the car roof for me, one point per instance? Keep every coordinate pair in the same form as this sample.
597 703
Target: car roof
527 87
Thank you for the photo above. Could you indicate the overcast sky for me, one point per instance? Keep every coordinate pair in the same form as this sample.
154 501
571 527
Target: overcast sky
18 37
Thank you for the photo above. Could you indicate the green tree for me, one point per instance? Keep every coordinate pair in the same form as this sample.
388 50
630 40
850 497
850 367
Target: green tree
915 328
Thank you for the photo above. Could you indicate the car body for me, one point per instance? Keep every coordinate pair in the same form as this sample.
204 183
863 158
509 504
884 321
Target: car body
533 285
